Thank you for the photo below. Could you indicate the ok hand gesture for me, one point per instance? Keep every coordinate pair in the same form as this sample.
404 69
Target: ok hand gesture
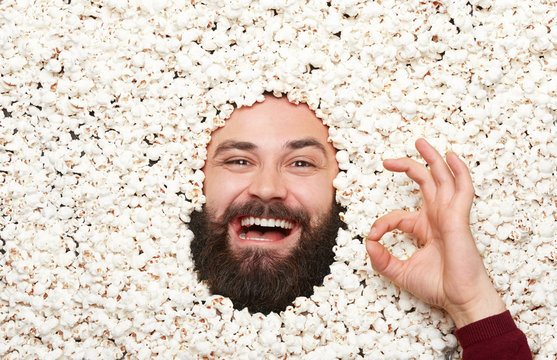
447 271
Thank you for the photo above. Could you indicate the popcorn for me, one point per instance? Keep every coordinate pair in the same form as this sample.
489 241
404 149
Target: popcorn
105 119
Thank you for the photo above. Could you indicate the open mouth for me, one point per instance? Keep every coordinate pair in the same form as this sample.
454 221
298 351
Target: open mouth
252 228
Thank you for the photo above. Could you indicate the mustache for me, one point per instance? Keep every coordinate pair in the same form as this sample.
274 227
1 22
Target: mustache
275 209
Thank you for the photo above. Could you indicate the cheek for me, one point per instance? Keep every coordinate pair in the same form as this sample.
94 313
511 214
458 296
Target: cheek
314 195
220 191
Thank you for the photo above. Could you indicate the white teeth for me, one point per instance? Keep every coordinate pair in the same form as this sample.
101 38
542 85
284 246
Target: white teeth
248 221
259 239
243 237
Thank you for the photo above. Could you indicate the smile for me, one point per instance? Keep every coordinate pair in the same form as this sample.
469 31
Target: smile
266 222
262 230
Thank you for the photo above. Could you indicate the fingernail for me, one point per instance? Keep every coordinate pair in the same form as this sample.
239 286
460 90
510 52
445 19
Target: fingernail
372 233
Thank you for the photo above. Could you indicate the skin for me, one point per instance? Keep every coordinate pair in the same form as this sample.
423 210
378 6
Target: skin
447 271
271 151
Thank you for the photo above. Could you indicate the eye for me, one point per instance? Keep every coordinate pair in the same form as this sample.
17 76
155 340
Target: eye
302 164
238 162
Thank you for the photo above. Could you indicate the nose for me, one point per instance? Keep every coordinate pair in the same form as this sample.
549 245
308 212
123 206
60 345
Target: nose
267 184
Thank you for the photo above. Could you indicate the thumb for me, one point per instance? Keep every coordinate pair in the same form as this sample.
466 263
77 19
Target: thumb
384 262
381 260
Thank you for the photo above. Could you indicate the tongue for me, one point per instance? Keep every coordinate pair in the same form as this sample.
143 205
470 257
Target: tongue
271 235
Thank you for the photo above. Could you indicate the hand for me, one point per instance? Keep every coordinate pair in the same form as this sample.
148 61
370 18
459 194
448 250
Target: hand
447 271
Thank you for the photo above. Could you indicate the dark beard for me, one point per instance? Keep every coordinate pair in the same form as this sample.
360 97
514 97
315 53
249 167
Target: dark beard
259 279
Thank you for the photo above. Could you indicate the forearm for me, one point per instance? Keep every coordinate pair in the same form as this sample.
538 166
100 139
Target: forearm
489 303
495 337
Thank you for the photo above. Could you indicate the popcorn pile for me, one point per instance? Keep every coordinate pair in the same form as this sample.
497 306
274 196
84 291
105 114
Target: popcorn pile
106 108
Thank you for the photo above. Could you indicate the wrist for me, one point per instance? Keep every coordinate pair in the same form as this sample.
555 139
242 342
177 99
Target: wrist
486 306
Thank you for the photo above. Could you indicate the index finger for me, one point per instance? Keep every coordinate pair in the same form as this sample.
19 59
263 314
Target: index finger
415 171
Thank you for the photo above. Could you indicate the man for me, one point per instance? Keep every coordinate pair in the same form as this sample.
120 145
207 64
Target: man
270 221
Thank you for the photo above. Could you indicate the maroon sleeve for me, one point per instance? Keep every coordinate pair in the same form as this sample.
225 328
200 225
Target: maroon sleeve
492 338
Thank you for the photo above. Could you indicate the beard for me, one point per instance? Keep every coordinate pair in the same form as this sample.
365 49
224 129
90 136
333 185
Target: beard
259 278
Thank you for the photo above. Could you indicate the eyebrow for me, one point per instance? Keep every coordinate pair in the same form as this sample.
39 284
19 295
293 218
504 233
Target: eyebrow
290 145
305 142
237 145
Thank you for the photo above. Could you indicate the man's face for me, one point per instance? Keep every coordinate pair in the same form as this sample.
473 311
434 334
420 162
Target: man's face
274 151
270 221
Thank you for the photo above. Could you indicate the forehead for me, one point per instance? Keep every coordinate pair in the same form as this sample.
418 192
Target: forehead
273 121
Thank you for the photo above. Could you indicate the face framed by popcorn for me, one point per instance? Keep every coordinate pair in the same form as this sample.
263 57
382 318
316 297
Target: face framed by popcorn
266 234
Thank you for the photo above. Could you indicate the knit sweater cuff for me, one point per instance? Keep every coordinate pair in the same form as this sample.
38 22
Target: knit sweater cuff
485 329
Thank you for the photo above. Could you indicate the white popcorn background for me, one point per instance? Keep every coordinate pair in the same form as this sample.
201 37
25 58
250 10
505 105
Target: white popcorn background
106 107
